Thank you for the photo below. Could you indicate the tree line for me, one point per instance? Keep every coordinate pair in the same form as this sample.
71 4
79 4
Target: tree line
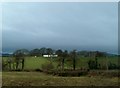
62 56
47 51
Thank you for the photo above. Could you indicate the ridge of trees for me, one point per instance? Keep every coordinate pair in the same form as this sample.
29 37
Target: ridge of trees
59 52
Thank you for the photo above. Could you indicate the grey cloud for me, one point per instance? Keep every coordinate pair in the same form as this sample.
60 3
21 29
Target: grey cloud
59 25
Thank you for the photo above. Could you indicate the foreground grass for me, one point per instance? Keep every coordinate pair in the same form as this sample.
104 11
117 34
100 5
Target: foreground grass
41 79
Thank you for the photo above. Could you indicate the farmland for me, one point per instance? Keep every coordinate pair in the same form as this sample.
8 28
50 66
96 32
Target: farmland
32 63
34 78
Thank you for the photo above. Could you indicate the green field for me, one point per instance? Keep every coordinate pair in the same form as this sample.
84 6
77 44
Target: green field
42 79
32 63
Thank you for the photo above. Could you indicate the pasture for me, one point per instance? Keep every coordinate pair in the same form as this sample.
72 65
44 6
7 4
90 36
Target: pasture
32 63
33 78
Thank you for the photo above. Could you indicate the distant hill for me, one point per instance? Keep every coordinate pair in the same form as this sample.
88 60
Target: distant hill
109 54
5 54
92 53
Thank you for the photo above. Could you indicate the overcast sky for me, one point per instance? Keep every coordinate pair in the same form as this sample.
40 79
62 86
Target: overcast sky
81 26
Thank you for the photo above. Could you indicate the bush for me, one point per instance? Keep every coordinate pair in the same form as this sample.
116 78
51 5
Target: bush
47 66
92 64
4 66
113 66
71 73
39 70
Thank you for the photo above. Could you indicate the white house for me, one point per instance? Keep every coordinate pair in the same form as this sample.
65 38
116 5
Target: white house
50 55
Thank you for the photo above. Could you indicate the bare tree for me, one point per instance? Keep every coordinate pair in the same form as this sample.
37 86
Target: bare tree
19 58
73 56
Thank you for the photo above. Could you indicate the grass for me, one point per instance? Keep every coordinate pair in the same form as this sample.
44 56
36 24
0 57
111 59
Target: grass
32 63
35 63
41 79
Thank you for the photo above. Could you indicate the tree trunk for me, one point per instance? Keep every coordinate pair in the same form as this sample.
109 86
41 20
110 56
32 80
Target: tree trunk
9 65
23 64
74 63
63 63
106 63
17 63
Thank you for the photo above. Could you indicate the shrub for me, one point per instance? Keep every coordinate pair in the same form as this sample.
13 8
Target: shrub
47 66
39 70
4 65
113 66
92 64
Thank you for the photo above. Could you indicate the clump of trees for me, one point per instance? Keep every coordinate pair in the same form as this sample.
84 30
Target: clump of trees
93 64
63 57
15 61
42 51
19 58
